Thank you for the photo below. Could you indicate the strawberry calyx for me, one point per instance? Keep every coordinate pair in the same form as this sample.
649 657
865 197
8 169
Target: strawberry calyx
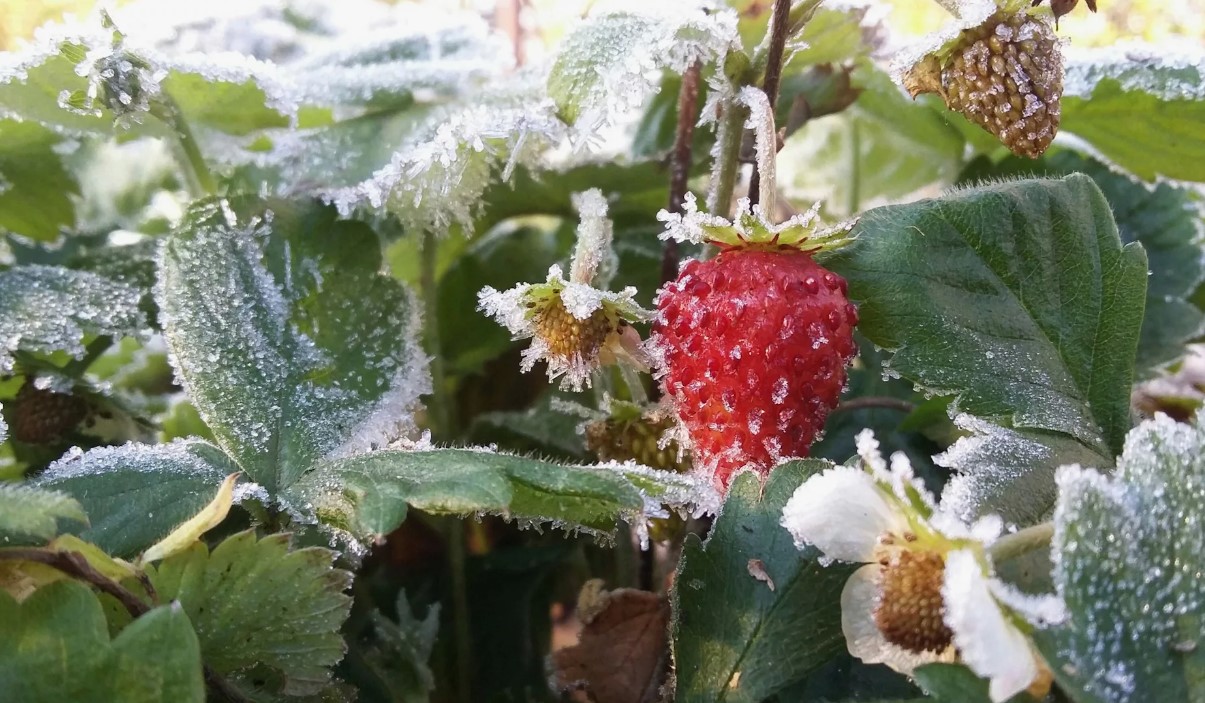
752 229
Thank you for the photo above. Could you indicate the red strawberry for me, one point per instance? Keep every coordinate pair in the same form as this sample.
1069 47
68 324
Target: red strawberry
755 344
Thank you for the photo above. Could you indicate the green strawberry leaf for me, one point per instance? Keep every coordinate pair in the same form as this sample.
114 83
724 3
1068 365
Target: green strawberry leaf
135 494
1140 109
369 495
399 651
1008 472
35 188
28 512
1165 218
55 647
1128 553
290 343
44 309
50 82
1019 298
737 637
259 607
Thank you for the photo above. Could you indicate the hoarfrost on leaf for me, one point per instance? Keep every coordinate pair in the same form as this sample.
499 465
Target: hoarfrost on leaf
436 178
1128 554
1005 471
44 309
283 375
136 493
610 64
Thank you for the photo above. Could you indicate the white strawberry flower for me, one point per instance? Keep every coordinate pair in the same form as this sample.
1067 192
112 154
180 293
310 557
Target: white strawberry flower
927 592
575 324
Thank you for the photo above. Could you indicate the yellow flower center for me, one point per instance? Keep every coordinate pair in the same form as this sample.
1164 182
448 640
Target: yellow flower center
909 608
568 336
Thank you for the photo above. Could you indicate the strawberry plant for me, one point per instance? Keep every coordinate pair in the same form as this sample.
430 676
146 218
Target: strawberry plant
713 351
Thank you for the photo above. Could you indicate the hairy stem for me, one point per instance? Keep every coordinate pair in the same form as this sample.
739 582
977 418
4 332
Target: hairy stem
460 611
1022 541
855 167
680 160
439 416
75 565
778 41
200 178
92 352
727 158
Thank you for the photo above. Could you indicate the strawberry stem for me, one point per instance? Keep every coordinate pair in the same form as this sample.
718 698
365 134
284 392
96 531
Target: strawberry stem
680 160
778 41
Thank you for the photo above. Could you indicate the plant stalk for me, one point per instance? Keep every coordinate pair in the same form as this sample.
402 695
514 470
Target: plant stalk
778 41
460 611
200 178
439 419
728 159
1022 541
680 161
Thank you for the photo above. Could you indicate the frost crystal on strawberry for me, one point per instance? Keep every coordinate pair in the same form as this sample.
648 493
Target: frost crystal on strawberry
753 344
575 325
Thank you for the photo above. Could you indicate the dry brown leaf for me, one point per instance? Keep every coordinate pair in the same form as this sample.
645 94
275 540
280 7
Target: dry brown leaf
622 652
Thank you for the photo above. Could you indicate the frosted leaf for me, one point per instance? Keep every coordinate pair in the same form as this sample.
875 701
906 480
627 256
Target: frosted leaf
1128 554
761 121
46 308
369 495
135 494
611 63
436 178
1005 471
28 512
291 348
1167 71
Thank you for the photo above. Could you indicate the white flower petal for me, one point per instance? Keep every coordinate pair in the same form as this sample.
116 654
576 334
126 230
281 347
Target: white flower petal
862 635
986 640
843 513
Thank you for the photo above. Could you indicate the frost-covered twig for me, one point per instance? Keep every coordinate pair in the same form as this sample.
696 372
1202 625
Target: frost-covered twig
680 161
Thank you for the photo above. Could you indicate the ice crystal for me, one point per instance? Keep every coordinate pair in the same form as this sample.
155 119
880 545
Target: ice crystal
280 390
436 180
184 457
1005 471
1128 559
45 309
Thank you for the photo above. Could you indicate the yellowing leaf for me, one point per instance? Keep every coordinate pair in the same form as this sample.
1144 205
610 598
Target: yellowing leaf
114 568
189 532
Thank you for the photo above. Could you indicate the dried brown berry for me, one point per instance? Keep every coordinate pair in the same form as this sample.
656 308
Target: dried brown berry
43 416
635 439
908 612
1007 77
568 336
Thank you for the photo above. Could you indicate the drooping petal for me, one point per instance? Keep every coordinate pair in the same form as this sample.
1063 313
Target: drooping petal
842 513
862 635
986 640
